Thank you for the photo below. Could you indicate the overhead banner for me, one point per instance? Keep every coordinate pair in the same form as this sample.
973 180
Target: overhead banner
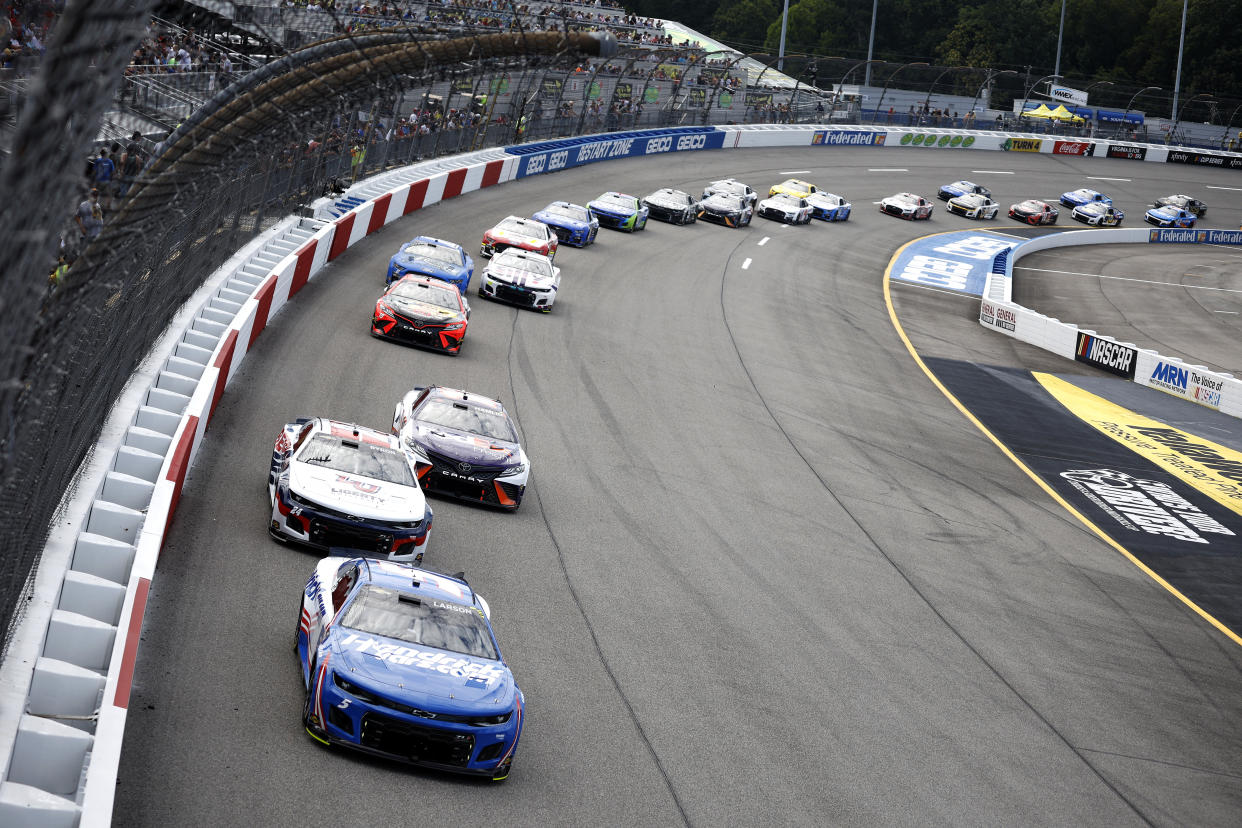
1131 151
1207 159
1068 95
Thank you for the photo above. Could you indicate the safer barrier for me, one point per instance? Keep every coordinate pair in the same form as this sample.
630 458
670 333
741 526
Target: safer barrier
997 311
64 689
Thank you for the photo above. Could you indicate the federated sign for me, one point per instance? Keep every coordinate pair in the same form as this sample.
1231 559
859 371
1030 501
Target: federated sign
1022 144
843 137
1106 354
1192 236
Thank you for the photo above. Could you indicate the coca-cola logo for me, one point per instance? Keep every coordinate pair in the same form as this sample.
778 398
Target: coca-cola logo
1072 148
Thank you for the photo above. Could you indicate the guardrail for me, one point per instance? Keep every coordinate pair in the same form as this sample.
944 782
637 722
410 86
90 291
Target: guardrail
64 688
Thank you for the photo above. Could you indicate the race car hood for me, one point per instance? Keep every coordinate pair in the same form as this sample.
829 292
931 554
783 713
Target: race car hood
612 209
516 239
904 203
720 204
413 673
429 267
362 497
521 278
1092 208
667 202
467 448
1165 212
778 204
423 311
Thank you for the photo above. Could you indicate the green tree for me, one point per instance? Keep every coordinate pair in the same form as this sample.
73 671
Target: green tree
744 23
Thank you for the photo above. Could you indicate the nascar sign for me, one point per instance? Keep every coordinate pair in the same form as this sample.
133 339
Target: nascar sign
550 156
1170 236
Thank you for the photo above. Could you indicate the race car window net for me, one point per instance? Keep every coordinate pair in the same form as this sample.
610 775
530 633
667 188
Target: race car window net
433 251
471 419
423 292
362 459
429 622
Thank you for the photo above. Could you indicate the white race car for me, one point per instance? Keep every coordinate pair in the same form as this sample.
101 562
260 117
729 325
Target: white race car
1098 214
522 278
907 206
731 186
973 205
786 207
339 486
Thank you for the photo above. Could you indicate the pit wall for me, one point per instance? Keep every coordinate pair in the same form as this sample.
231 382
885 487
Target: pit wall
1214 389
66 681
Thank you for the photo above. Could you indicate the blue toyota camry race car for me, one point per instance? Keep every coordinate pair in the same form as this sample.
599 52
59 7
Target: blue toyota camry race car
1170 217
1077 198
437 258
402 663
574 224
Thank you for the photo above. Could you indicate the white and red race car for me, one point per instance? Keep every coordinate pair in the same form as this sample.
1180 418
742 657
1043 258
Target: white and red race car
346 488
522 233
907 206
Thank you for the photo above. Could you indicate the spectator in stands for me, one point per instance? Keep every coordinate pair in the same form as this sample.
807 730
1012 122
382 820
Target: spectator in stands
90 218
103 171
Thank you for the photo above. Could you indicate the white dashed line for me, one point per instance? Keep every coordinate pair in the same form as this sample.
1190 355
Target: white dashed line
1234 312
764 240
794 172
889 169
993 172
934 289
1129 279
1214 187
1102 178
746 265
877 202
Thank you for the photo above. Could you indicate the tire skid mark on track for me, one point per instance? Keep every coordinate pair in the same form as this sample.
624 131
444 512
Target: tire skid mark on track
577 601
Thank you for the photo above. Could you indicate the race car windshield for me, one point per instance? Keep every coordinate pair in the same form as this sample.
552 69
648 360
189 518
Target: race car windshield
434 252
519 226
419 620
731 202
469 418
786 198
362 459
617 201
423 292
575 213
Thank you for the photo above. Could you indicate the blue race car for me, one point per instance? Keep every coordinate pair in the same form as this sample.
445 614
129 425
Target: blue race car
828 207
574 225
619 211
1170 217
402 663
961 188
437 258
1077 198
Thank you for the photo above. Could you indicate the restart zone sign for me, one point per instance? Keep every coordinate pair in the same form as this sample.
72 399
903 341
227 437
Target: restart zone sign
958 261
550 156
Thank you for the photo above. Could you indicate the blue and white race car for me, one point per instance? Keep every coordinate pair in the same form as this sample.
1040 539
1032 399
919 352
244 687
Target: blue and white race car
1098 215
335 485
1170 217
961 188
1076 198
829 207
619 211
464 445
437 258
402 663
573 224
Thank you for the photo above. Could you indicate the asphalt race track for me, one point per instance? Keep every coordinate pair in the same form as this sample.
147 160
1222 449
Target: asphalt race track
766 574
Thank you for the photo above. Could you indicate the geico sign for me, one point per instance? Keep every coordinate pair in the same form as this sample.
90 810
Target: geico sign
684 142
557 160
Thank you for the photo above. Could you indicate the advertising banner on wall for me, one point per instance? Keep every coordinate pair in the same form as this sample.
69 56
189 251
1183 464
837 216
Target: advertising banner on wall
1191 236
844 137
1207 159
1131 151
1073 148
1022 144
1068 95
1106 354
549 156
933 139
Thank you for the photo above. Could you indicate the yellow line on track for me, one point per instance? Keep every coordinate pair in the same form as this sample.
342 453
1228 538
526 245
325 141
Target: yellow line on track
1039 481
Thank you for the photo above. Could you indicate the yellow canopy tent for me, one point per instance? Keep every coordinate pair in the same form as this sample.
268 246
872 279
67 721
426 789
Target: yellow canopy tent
1063 114
1041 111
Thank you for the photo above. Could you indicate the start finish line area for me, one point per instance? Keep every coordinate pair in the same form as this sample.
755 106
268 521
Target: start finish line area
1132 462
